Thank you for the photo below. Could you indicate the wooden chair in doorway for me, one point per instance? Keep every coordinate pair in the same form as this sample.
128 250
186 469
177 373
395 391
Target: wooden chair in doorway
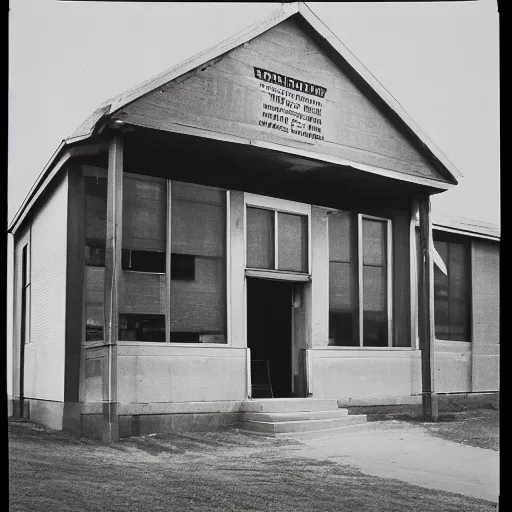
260 379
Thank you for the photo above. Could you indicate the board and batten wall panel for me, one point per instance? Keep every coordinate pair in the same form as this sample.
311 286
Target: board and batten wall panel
45 354
485 270
230 96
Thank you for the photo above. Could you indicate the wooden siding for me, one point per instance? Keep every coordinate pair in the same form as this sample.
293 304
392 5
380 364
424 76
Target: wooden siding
225 97
45 354
21 238
485 274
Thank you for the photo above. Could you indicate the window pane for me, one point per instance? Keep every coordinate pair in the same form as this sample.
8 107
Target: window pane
144 214
95 210
94 282
451 301
95 236
340 246
260 238
292 242
374 288
459 308
343 318
198 265
375 316
141 292
374 243
142 327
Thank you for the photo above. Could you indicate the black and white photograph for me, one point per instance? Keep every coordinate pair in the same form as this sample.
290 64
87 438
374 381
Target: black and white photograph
253 256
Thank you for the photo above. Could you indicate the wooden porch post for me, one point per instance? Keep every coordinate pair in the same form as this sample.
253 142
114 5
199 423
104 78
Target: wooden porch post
112 273
426 313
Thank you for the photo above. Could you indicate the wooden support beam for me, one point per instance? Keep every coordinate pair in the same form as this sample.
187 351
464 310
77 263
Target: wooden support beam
426 313
113 249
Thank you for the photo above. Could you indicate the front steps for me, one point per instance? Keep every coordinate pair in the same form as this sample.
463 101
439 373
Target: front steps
303 418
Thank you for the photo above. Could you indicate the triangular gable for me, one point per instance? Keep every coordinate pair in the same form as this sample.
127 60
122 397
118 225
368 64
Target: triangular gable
282 88
440 167
439 172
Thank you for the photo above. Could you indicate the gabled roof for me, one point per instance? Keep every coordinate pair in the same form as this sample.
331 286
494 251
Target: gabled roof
284 12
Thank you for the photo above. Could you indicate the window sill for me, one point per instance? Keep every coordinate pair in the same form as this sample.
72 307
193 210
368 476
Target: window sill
143 272
338 347
181 345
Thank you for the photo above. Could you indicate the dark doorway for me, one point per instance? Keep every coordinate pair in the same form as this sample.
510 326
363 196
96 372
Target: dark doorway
269 336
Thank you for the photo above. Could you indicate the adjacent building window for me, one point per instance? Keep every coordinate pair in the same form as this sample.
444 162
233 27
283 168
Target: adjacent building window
359 278
452 291
276 240
198 264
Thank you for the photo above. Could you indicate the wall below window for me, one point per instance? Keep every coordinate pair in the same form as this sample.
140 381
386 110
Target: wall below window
169 373
453 366
339 373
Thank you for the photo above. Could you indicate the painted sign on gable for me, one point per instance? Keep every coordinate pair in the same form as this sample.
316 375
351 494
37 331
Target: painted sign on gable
290 106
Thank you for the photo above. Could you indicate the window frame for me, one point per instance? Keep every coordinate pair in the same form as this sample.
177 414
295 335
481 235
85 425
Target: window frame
359 281
389 276
103 173
168 268
277 205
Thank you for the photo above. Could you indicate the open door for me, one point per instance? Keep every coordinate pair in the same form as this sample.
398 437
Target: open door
270 326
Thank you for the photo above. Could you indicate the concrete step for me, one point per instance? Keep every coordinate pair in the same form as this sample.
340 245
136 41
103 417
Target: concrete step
289 404
329 433
294 415
281 427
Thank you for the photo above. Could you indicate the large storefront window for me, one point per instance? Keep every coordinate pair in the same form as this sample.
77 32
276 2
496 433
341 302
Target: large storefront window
359 277
198 264
451 291
176 295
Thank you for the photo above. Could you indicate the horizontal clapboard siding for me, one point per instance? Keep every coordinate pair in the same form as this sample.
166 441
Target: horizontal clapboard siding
45 354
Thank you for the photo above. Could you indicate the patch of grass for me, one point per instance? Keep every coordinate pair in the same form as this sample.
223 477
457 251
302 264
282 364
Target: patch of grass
474 427
214 471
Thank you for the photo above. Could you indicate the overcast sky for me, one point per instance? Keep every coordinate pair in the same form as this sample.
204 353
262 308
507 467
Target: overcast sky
438 59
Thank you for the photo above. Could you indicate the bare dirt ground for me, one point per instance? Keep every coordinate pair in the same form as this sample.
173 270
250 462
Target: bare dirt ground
215 471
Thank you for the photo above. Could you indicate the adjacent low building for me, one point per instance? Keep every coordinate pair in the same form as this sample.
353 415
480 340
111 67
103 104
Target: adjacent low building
252 222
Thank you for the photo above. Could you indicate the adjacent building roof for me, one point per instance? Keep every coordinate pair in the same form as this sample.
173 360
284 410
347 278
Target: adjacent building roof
465 226
285 11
